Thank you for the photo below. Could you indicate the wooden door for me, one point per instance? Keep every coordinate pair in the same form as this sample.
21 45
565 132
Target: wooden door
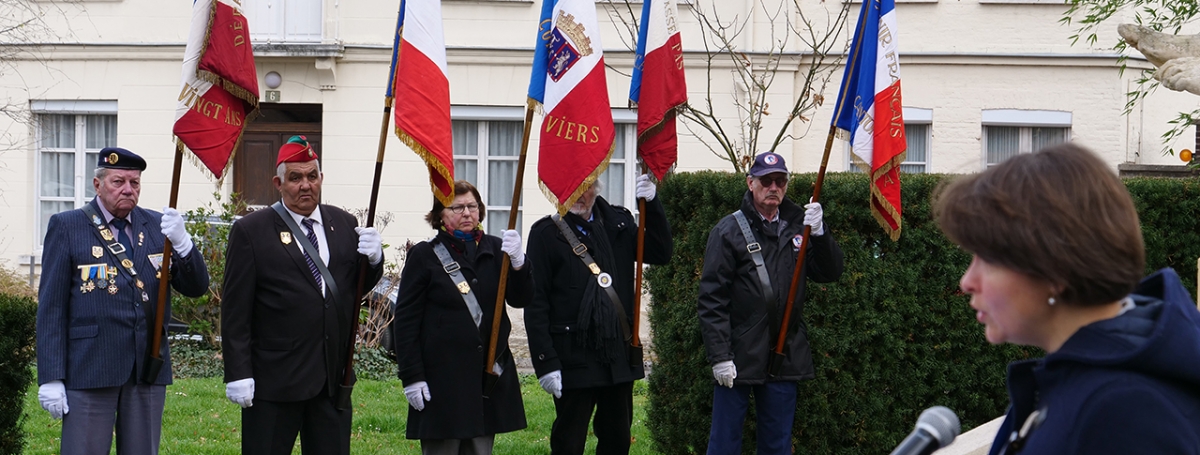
254 164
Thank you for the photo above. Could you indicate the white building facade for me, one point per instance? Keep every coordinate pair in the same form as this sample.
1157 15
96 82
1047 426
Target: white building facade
982 80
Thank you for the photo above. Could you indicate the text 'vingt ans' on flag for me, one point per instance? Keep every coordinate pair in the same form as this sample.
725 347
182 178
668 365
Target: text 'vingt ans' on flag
658 86
576 135
421 89
869 111
220 85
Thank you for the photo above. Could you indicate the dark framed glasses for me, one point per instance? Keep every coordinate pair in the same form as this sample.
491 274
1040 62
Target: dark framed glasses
458 209
766 181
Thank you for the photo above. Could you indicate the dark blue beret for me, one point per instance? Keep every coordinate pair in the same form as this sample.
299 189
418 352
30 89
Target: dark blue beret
119 158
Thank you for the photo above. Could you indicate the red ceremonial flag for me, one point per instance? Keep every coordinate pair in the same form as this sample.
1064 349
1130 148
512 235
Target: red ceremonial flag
220 84
869 110
658 85
423 92
577 132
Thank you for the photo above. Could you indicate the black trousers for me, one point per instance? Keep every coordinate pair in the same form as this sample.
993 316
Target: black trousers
270 427
614 415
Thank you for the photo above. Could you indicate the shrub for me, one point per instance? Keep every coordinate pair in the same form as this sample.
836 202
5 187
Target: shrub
195 359
17 323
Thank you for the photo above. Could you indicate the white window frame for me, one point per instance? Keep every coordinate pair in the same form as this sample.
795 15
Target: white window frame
912 116
626 119
921 116
274 26
484 115
80 109
1024 119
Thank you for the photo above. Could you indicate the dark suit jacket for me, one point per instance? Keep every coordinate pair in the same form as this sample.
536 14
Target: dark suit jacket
275 325
91 338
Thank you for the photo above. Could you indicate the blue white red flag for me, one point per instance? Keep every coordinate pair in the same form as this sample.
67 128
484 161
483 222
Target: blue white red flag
220 84
658 85
422 91
869 111
576 137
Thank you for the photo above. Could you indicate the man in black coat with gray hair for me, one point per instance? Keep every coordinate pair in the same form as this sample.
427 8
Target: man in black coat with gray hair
578 334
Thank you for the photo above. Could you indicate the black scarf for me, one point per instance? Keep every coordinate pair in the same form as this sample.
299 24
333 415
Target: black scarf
598 320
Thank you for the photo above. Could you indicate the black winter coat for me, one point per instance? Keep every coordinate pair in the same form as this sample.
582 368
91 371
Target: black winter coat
561 278
737 322
437 341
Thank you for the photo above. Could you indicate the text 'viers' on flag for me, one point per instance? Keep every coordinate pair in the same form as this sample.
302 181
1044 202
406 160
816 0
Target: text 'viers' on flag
422 91
869 110
220 85
576 136
658 85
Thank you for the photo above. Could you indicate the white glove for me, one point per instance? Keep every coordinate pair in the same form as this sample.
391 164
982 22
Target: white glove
370 244
724 372
552 383
417 394
813 216
645 189
241 392
173 229
53 396
512 246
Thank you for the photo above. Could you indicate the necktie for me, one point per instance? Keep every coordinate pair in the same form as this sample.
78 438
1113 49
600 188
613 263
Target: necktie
312 238
120 224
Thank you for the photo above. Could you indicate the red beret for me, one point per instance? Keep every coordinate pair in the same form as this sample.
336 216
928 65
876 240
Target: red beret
296 150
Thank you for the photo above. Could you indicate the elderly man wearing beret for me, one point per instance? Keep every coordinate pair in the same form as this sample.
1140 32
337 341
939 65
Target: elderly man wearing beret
288 310
95 314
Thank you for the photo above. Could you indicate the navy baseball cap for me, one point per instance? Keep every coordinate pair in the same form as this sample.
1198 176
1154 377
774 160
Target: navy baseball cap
767 163
119 158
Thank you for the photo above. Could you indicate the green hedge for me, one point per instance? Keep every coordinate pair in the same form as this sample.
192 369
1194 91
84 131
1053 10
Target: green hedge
17 316
892 337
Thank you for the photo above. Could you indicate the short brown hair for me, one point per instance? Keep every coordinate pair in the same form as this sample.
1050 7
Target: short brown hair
1059 215
461 187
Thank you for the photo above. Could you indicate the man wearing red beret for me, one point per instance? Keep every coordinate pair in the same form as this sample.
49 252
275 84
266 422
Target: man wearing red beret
288 309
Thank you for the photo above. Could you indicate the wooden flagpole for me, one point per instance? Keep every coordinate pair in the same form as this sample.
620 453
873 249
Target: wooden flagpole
154 362
491 375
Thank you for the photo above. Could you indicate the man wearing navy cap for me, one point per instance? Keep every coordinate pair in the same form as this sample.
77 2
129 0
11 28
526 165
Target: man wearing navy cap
751 254
287 316
95 308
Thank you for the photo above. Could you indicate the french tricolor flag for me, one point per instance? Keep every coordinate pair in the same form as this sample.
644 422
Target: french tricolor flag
576 136
220 84
421 91
658 85
869 109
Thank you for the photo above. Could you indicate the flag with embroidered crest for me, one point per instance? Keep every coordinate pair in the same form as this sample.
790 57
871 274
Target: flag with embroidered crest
569 84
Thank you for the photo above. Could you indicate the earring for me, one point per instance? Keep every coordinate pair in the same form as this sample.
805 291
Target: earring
1051 301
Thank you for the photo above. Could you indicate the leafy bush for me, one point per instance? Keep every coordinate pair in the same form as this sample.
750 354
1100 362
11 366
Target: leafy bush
17 324
209 227
195 359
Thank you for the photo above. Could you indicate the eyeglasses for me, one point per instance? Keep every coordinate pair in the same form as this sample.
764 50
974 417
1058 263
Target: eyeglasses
458 209
767 180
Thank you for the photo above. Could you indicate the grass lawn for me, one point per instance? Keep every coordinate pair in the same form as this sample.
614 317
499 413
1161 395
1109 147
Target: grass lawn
198 420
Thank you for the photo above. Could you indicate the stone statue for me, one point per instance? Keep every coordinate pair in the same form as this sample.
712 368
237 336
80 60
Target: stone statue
1176 56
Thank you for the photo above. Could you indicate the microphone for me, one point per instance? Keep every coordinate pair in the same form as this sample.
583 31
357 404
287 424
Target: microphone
936 428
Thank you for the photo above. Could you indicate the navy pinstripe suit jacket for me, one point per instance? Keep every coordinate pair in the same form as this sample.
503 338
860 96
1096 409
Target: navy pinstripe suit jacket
92 339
